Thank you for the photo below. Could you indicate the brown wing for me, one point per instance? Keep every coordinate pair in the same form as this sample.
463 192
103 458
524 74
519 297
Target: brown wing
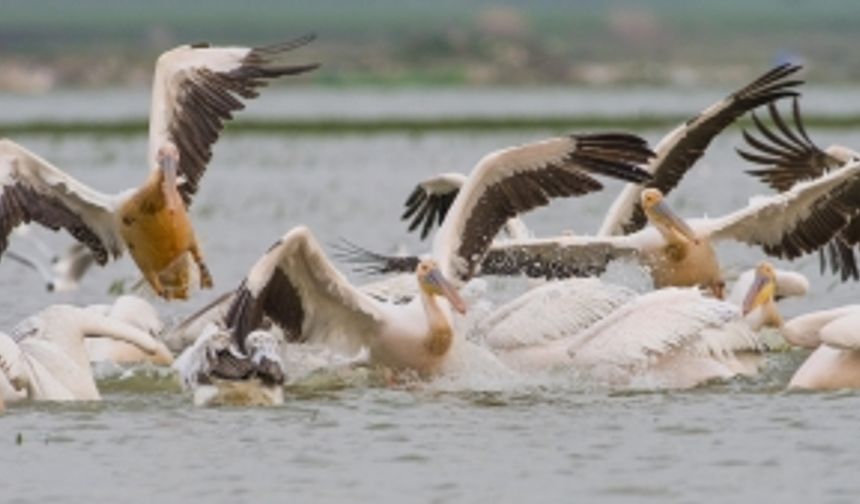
683 147
203 87
790 156
516 180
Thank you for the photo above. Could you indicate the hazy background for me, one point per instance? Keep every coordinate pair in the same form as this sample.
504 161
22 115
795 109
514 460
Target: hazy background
49 44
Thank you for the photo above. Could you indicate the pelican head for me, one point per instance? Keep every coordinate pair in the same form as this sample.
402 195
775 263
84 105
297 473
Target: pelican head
662 217
434 283
137 312
168 162
763 288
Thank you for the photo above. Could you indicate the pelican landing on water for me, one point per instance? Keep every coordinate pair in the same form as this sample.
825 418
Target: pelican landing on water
195 89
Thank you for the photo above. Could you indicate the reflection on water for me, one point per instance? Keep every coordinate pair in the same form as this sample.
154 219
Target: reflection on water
478 437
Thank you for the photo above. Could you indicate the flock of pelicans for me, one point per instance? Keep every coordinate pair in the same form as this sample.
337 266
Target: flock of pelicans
689 330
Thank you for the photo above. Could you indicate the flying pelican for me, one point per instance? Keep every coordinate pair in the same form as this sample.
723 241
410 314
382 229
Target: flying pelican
195 89
676 154
44 358
790 157
673 337
139 313
296 287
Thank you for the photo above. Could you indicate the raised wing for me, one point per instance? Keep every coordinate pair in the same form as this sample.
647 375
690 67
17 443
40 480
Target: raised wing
197 88
518 179
678 151
430 201
790 157
33 190
296 287
798 221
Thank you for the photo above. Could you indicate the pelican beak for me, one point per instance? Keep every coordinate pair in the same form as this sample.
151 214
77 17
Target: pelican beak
442 287
761 291
169 168
669 218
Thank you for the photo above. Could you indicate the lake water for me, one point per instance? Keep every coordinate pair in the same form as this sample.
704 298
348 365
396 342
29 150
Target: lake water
476 438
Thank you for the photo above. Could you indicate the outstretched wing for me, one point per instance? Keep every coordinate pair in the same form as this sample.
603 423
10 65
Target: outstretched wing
297 288
798 221
33 190
518 179
790 157
430 201
197 88
678 151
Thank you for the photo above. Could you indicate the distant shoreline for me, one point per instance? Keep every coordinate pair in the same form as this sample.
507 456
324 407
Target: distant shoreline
399 125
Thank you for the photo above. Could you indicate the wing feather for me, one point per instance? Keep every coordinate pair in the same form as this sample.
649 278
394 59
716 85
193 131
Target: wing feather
296 287
678 151
32 190
518 179
798 221
197 88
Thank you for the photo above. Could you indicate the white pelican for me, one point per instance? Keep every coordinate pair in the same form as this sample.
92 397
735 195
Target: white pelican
45 358
674 338
791 157
139 313
835 362
298 289
833 334
759 306
195 89
676 153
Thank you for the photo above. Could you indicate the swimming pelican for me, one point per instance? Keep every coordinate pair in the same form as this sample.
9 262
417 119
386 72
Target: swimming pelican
750 292
676 154
674 338
835 362
195 89
298 289
790 157
833 334
139 313
44 358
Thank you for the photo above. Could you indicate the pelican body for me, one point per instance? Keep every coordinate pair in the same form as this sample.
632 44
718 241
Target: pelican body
45 358
157 230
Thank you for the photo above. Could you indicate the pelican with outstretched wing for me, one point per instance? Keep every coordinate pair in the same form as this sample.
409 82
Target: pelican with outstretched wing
680 252
676 154
296 287
790 157
195 90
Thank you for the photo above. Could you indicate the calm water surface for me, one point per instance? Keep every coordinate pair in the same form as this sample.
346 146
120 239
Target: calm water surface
477 438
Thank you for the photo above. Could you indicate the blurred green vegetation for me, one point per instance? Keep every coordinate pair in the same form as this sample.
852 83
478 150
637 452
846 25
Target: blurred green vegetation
95 42
376 126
